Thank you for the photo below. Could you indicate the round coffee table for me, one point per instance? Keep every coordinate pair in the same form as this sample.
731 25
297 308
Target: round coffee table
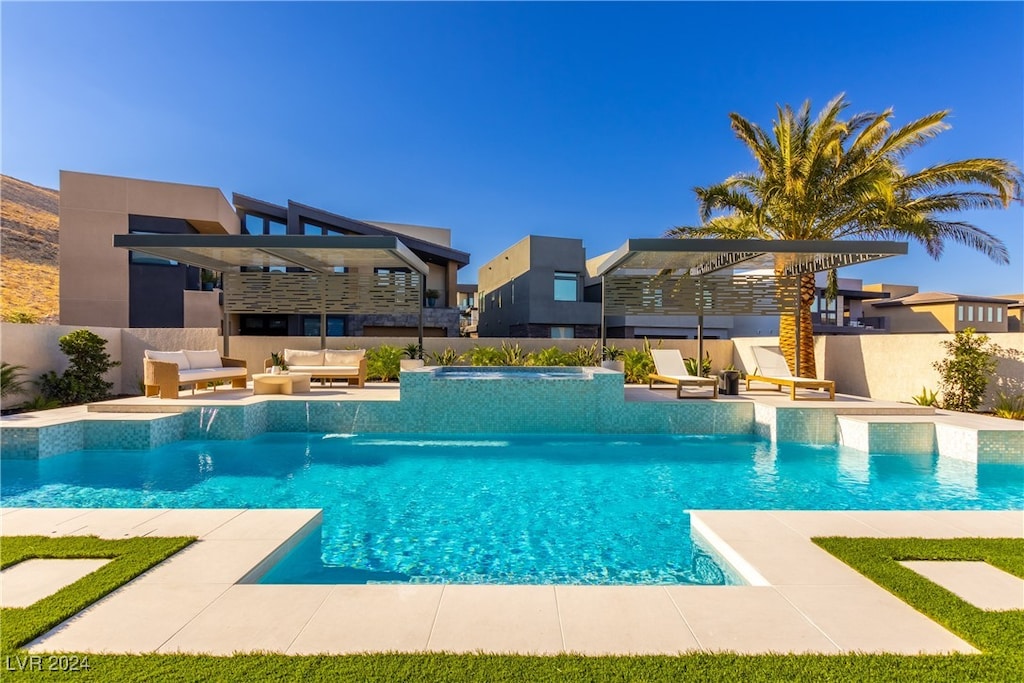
283 383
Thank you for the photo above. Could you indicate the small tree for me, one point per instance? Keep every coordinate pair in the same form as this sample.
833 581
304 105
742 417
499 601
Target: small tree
964 372
83 381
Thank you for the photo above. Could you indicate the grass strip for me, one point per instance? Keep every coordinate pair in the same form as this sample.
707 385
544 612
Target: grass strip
129 558
998 634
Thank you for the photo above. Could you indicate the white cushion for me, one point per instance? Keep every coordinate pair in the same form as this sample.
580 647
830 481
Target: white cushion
345 358
198 360
324 370
210 373
177 357
297 357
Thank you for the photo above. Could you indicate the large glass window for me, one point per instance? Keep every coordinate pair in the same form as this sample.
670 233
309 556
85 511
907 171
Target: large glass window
565 286
562 332
275 228
254 224
140 258
311 326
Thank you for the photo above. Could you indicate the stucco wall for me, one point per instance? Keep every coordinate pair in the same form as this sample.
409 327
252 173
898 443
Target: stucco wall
895 367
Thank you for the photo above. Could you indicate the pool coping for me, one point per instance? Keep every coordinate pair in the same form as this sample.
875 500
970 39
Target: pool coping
198 601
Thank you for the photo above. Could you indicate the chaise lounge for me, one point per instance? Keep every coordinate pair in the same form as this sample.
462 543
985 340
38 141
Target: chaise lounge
670 368
164 372
773 369
327 364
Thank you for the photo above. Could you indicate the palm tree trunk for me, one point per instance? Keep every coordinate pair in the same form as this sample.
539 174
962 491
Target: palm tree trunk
787 330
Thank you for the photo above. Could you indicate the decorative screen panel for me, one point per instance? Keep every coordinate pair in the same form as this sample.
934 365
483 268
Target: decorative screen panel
322 293
716 294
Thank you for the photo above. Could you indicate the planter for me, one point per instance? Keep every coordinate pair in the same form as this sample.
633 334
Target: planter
411 363
616 365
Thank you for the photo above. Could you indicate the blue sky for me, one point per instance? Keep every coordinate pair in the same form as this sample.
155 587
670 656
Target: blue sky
592 121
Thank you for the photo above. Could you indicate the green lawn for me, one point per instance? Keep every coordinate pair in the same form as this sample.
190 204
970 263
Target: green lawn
1000 635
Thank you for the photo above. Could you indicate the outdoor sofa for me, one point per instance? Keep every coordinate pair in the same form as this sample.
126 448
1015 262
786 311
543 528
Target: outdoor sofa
326 364
670 369
773 369
163 372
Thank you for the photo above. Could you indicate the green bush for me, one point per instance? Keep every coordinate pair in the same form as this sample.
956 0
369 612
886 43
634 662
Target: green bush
1010 407
413 351
446 357
638 364
512 354
22 317
965 370
705 368
484 356
11 380
83 381
548 357
926 398
383 363
585 356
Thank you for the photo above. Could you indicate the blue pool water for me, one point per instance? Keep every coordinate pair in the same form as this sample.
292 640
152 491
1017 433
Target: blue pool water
505 508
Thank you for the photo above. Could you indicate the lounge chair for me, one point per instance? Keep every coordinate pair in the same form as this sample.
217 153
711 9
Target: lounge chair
669 368
772 368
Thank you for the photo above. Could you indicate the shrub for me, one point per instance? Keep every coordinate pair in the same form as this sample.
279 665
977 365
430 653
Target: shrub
705 368
1010 407
446 357
23 317
11 381
548 357
638 365
612 352
965 370
83 381
413 351
585 356
926 398
512 354
383 363
484 355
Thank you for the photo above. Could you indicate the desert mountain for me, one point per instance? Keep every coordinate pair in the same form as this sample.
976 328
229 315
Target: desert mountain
28 251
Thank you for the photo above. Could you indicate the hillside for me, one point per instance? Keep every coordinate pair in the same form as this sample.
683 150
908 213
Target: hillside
28 251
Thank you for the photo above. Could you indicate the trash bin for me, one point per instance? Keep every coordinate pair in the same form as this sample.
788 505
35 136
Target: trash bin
729 383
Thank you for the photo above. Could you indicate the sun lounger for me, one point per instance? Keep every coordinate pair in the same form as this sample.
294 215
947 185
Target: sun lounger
670 369
772 369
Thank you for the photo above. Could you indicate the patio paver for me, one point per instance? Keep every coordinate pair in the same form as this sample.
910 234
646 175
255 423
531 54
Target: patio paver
979 583
32 580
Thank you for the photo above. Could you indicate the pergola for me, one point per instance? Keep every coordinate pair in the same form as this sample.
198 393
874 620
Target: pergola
322 274
667 276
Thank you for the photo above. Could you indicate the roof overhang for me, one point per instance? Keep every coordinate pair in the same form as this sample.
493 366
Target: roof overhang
704 256
323 254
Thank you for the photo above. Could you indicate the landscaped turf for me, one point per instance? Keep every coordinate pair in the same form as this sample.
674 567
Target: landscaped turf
1000 635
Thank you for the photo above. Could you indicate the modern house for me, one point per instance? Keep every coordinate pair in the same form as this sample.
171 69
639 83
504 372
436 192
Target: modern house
942 312
94 208
535 288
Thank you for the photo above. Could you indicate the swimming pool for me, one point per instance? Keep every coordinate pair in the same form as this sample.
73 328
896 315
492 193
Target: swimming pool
499 508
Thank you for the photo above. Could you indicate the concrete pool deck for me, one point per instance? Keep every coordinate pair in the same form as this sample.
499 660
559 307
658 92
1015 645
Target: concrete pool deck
199 600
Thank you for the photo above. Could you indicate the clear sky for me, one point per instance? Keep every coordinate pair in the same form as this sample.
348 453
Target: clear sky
500 120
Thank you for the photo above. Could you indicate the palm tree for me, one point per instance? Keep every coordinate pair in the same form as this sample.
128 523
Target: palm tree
834 178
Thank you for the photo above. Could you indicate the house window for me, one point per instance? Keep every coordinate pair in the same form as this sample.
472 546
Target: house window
254 224
275 228
990 313
981 313
512 292
960 313
311 326
970 314
562 332
139 258
565 286
999 315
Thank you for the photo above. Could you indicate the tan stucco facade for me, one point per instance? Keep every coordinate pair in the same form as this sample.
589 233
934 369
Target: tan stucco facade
941 317
94 208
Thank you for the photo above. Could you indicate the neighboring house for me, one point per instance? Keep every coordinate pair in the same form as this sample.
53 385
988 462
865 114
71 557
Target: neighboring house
542 287
535 289
1014 312
942 312
108 287
466 303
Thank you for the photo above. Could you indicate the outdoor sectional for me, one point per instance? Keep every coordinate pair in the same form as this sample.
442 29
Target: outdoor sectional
163 372
327 364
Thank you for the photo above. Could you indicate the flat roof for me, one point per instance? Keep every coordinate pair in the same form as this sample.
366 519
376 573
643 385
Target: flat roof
227 253
703 256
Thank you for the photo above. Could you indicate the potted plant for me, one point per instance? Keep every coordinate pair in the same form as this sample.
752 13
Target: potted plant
277 364
613 359
208 278
413 357
431 296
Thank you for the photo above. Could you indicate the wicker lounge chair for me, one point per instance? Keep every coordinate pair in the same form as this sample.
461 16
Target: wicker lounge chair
772 368
669 368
